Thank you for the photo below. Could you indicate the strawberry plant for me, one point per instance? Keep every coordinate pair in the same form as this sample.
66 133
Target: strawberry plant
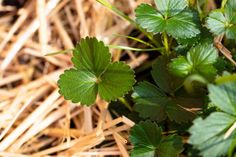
184 101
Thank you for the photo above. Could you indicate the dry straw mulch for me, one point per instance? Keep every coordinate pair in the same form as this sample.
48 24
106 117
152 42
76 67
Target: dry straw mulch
34 119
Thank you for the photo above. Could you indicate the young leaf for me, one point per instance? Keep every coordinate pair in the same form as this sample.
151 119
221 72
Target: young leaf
215 139
199 60
223 22
95 74
149 142
170 16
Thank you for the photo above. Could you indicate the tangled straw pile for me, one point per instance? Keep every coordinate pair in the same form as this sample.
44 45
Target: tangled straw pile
34 119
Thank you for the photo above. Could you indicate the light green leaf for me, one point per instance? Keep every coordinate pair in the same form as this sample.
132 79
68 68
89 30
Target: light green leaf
207 135
200 60
148 141
180 66
223 21
95 74
169 8
216 22
224 97
171 17
214 135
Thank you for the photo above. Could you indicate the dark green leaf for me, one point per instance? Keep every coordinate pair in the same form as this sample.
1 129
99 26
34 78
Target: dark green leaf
163 78
152 103
148 141
149 101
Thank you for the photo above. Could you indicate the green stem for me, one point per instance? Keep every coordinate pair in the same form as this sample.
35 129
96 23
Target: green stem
134 49
223 4
165 42
126 103
121 14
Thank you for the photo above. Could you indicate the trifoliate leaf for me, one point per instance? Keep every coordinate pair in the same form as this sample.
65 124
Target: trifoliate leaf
152 102
211 135
95 74
170 16
223 21
199 60
149 142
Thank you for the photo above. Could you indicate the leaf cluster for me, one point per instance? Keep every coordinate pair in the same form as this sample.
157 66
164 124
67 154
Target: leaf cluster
185 81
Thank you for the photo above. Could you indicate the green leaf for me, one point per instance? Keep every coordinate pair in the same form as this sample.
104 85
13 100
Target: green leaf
207 135
199 60
216 22
163 78
224 97
170 8
183 25
91 55
219 132
95 74
152 102
149 18
116 81
148 141
180 66
171 17
78 86
223 21
149 100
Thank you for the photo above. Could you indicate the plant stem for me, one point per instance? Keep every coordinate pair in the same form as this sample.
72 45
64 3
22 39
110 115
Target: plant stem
126 103
165 42
121 14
